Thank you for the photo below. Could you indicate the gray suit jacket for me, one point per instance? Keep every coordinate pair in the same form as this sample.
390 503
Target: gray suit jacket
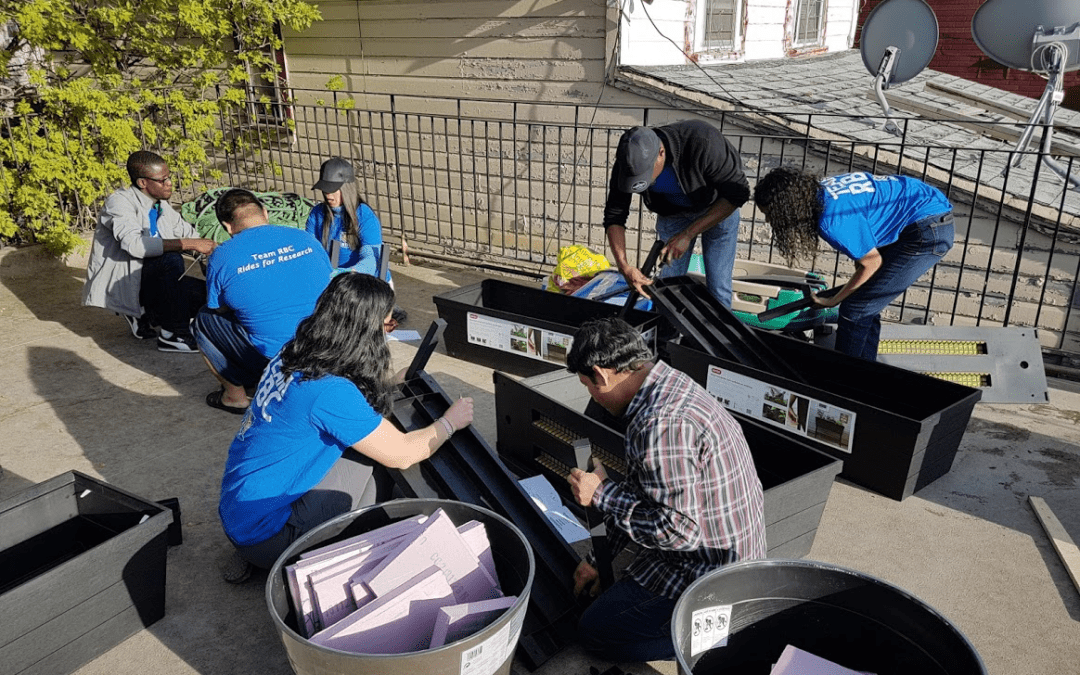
122 239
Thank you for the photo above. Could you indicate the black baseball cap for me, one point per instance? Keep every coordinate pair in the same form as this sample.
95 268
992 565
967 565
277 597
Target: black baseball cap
334 173
635 159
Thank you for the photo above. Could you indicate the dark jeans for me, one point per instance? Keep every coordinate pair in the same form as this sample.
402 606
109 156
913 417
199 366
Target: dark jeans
920 246
346 487
169 300
628 623
227 346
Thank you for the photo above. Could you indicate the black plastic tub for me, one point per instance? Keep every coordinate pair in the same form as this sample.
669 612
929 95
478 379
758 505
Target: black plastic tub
738 619
495 644
82 567
538 419
522 330
897 431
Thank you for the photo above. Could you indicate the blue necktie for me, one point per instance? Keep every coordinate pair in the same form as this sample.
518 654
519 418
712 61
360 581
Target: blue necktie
154 213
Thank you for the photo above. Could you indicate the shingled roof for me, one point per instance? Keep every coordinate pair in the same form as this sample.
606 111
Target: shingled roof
953 126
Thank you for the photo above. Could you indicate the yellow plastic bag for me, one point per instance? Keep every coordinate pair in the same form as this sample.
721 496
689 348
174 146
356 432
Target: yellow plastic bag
575 266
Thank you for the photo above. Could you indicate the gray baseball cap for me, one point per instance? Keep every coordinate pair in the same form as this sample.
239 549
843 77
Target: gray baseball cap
635 159
334 173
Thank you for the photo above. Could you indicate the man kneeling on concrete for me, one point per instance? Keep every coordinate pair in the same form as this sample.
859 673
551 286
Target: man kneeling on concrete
136 262
691 501
259 285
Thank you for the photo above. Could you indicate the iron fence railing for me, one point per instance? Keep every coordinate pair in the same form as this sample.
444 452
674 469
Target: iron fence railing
507 184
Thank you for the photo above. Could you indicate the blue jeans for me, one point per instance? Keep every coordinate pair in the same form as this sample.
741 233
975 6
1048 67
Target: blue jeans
228 347
920 246
628 623
718 246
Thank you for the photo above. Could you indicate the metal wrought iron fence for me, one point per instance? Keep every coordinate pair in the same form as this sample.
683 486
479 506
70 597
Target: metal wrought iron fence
506 185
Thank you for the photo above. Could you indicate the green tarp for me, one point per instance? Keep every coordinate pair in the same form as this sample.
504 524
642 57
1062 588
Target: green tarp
285 208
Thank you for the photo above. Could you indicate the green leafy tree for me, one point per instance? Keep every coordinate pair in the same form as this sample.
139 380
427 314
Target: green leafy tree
83 83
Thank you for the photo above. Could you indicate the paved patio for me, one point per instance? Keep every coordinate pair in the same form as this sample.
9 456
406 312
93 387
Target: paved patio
81 393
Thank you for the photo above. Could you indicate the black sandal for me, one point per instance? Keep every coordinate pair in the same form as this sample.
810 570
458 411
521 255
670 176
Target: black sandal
213 399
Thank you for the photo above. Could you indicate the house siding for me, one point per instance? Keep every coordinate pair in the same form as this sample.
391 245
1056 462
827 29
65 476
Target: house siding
536 49
665 33
957 54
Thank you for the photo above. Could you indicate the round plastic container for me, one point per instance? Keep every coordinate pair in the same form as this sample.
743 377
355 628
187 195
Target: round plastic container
496 643
847 617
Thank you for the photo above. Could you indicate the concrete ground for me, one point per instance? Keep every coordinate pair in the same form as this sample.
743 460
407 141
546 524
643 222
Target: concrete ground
79 392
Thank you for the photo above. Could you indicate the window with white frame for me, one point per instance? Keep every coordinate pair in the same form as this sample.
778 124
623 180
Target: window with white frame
718 25
809 21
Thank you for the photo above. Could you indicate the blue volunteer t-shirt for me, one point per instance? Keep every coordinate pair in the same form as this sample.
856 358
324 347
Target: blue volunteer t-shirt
862 211
270 276
291 435
365 259
668 185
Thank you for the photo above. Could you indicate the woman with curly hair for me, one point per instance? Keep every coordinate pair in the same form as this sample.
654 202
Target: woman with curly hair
307 444
894 228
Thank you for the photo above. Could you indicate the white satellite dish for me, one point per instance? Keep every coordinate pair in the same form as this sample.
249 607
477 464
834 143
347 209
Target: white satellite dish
898 41
1039 36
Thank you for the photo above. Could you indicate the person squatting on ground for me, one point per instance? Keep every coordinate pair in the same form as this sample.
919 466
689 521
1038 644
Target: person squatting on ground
259 284
305 448
691 501
136 268
895 228
354 238
692 178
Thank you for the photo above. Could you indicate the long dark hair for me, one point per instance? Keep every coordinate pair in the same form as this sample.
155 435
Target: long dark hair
344 337
792 202
350 204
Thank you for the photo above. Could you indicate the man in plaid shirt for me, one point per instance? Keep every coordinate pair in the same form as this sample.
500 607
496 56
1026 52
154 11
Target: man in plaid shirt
691 501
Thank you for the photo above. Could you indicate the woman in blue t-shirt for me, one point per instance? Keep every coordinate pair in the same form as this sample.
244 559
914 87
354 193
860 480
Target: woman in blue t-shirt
894 228
354 228
353 239
308 443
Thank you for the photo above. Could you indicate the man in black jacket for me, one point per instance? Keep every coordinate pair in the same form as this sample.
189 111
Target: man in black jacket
691 177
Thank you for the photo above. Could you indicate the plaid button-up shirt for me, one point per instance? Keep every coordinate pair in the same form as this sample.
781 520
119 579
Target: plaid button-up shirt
692 499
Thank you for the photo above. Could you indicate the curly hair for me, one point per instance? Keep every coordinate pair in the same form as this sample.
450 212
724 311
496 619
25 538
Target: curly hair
790 199
344 337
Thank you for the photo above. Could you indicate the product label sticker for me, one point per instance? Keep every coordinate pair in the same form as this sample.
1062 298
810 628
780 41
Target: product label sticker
709 628
518 338
799 414
486 657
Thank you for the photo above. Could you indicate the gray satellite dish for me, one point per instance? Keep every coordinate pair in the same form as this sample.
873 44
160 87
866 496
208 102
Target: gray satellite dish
1008 30
898 40
1040 36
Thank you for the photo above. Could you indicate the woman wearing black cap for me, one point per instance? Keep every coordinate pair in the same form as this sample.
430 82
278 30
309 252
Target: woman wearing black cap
353 239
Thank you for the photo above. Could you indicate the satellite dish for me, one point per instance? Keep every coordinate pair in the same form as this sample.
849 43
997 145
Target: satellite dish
1015 33
1041 36
908 25
898 40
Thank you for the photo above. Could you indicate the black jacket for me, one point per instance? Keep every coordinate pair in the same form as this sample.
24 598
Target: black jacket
706 165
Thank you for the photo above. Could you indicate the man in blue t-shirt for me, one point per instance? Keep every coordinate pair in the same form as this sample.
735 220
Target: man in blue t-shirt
259 284
894 228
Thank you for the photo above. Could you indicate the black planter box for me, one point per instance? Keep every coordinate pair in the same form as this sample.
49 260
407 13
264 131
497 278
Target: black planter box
899 430
539 418
82 568
522 330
